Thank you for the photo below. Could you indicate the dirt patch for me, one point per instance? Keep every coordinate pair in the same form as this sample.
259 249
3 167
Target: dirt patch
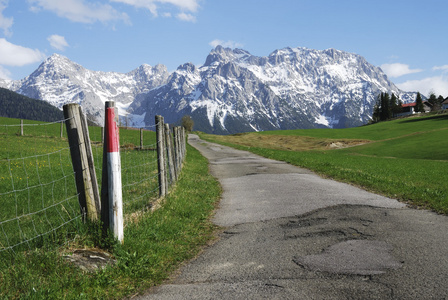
90 260
286 142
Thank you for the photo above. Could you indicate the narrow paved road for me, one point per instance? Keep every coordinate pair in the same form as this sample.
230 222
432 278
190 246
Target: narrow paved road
290 234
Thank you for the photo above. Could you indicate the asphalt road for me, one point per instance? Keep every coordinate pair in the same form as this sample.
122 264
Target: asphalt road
290 234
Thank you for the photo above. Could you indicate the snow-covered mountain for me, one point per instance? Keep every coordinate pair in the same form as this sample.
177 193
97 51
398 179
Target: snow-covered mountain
233 91
59 81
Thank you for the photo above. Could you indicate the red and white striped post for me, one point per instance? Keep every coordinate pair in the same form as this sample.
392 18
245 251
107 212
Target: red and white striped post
114 186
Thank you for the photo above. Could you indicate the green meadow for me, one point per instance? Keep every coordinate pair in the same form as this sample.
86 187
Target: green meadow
405 159
40 217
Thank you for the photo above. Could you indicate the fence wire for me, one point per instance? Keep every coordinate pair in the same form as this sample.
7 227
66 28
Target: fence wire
38 187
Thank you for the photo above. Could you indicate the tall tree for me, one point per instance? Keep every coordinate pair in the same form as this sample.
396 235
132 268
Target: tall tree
377 109
419 103
385 113
432 99
438 105
187 123
395 106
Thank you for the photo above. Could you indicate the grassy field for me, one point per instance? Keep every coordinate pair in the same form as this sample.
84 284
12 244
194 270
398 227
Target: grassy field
404 159
38 194
37 185
155 245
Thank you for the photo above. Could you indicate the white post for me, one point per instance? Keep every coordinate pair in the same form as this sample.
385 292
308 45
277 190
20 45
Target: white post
114 175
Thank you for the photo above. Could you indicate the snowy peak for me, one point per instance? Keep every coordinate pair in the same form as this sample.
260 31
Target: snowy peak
55 67
224 55
59 81
147 73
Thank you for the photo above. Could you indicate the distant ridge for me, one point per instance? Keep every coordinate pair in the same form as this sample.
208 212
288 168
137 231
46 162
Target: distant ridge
17 106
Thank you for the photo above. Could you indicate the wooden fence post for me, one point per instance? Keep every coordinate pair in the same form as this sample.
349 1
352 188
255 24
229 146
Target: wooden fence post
141 138
176 151
88 200
62 130
111 190
21 127
169 154
90 163
184 146
161 155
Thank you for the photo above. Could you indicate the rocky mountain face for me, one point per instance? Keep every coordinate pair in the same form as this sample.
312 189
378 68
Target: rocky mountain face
235 91
59 81
232 92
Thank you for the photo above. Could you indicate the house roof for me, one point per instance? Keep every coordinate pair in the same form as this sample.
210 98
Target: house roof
415 104
446 101
409 104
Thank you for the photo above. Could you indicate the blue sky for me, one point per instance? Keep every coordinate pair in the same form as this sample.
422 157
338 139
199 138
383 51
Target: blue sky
408 39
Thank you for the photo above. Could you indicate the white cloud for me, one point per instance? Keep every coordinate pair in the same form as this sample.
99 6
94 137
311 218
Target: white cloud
17 56
153 6
436 68
436 84
4 73
186 17
227 44
58 42
397 70
80 10
5 23
148 4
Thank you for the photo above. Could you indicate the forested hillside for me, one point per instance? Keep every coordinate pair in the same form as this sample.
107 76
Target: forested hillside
13 105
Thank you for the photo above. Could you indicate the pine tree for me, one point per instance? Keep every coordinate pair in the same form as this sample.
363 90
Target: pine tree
385 107
432 99
393 105
377 109
419 103
438 105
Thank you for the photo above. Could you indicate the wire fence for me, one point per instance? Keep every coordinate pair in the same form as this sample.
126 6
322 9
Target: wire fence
38 191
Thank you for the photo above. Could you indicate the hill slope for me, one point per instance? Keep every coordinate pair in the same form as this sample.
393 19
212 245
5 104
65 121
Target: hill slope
14 105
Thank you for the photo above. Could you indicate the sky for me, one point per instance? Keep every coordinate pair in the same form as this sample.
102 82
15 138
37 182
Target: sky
408 39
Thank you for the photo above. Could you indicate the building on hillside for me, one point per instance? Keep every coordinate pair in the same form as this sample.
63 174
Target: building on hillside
445 104
409 108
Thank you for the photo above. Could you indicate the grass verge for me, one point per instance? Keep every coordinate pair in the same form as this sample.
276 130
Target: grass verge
155 245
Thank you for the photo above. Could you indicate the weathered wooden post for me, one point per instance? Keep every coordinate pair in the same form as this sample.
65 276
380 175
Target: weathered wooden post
90 162
141 138
184 145
161 155
21 127
111 190
79 146
62 130
176 150
169 154
179 145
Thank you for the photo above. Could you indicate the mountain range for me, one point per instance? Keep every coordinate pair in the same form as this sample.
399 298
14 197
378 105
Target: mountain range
233 91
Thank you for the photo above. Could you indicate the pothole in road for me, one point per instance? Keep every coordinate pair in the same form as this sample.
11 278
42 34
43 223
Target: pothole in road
304 223
359 257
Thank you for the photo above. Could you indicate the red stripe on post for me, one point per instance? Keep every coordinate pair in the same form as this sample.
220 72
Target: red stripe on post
112 133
